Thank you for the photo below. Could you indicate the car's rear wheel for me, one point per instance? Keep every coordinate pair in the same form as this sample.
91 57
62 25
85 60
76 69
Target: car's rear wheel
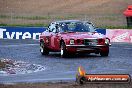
105 52
43 50
63 50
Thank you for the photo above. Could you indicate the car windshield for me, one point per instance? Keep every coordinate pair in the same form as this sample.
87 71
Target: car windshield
76 27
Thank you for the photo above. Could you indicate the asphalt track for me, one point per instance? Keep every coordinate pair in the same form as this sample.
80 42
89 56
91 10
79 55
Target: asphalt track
119 61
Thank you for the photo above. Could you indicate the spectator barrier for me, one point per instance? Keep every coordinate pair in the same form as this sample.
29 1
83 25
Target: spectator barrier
116 35
21 32
27 32
119 35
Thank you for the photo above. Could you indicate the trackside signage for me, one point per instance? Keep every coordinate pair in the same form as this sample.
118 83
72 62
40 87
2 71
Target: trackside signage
82 77
27 32
119 35
21 32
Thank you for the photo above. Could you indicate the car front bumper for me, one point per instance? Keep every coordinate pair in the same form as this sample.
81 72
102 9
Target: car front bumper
87 48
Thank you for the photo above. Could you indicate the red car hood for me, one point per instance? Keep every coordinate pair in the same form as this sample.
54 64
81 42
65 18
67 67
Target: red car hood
81 35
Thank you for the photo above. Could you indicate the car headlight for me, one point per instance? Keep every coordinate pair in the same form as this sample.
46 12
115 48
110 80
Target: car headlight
107 41
71 41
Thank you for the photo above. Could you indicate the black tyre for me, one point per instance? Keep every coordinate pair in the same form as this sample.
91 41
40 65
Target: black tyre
105 53
43 50
63 50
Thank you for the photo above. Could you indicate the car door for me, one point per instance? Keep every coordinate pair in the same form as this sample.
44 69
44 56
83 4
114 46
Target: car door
48 36
55 44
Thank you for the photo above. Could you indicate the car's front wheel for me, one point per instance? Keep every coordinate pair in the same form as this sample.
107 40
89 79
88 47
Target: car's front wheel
63 50
43 50
105 52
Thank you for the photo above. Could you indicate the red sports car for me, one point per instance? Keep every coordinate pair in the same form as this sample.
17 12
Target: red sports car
73 36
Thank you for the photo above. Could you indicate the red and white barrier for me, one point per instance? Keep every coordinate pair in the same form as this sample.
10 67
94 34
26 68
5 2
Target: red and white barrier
119 35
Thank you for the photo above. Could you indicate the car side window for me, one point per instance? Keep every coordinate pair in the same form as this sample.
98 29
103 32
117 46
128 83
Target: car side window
51 27
91 27
54 30
57 28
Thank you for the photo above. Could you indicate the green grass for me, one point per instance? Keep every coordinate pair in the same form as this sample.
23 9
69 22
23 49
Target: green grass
47 17
26 25
45 25
26 17
4 16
